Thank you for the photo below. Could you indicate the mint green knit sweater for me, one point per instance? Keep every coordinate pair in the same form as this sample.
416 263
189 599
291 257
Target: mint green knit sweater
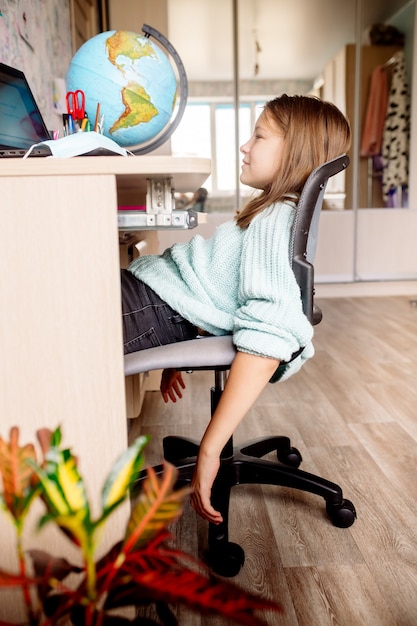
239 282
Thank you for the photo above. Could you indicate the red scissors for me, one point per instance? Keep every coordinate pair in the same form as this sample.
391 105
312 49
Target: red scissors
76 104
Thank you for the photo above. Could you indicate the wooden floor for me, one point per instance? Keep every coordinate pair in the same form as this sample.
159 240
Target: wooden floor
352 412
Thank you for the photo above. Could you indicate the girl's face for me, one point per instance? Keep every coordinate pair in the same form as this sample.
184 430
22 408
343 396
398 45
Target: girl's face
262 154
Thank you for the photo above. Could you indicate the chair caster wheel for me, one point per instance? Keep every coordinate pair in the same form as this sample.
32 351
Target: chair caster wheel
226 559
342 515
292 457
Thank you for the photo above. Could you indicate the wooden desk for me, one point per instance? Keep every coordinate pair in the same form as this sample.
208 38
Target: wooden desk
60 323
129 173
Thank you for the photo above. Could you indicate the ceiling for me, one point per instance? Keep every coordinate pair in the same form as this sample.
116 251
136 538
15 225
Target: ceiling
296 37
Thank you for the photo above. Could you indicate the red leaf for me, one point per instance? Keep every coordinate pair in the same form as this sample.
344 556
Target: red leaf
44 437
46 565
157 505
156 574
14 580
16 473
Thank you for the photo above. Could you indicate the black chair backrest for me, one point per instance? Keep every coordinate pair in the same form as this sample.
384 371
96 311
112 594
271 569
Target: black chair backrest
305 231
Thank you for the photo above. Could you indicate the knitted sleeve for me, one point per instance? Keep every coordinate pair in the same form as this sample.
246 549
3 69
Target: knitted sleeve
269 320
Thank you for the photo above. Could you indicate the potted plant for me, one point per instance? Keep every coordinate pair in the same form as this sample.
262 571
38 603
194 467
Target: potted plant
141 569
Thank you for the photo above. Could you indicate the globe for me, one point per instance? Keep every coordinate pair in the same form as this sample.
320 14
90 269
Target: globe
131 80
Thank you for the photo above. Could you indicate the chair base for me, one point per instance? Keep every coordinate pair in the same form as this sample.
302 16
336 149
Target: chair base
244 465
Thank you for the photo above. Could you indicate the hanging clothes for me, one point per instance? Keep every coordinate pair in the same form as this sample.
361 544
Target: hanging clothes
376 111
396 136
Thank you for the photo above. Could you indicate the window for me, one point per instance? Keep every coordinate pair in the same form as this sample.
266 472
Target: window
207 129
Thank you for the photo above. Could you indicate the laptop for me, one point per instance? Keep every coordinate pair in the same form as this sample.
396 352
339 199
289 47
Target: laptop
21 122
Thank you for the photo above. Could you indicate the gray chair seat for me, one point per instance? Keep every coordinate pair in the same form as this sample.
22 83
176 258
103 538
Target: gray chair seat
201 353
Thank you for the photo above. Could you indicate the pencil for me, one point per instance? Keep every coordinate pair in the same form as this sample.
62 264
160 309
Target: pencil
97 117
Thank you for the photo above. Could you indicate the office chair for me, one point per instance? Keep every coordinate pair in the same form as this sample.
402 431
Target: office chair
244 464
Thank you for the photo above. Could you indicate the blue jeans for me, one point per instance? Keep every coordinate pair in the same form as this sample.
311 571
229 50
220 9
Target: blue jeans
148 321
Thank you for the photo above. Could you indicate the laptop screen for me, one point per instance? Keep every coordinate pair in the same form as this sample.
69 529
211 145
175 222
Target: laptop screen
21 123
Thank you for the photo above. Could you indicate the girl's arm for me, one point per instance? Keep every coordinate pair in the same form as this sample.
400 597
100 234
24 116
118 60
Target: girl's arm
247 378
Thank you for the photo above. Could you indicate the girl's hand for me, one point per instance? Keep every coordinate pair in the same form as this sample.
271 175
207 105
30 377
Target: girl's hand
171 383
248 376
203 479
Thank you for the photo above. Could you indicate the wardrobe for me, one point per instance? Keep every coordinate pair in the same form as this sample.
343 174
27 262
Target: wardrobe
338 86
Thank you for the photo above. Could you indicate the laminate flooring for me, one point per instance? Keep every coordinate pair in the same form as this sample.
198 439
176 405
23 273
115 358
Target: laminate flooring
352 412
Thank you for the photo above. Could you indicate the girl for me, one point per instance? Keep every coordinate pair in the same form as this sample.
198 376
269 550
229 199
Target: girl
240 281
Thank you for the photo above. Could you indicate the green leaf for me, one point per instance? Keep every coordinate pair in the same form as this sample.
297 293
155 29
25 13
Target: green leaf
62 485
157 506
52 495
72 485
56 437
122 474
64 494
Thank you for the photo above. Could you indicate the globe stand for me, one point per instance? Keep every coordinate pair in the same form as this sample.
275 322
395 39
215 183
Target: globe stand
159 197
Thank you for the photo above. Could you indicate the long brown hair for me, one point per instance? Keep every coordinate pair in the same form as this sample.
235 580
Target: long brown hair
314 132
